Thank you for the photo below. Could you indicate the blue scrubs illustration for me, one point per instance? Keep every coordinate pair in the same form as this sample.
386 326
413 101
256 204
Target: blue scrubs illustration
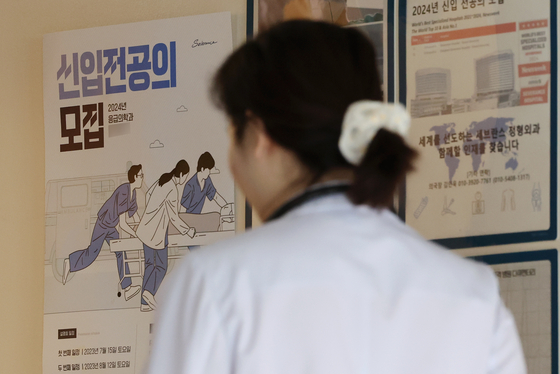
200 187
111 214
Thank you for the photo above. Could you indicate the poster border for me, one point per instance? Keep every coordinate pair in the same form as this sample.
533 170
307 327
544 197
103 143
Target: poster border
249 33
504 238
390 58
539 255
250 28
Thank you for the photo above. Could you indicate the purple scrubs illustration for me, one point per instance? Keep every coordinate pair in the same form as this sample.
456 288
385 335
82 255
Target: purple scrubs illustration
162 208
200 187
112 214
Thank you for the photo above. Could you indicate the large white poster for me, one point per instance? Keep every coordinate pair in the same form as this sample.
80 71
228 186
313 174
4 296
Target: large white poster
136 177
478 87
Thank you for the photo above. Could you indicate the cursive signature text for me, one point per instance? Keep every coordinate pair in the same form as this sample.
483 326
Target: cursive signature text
200 43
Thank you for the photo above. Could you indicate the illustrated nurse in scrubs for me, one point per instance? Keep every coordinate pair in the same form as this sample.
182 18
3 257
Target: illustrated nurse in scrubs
112 214
200 186
161 210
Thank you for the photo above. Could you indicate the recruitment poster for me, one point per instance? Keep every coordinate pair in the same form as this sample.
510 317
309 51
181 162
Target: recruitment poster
136 177
479 80
528 286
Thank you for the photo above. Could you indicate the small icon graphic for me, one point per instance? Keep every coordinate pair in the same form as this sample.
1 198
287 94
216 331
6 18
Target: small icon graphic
508 200
182 108
536 197
421 207
478 206
446 207
157 144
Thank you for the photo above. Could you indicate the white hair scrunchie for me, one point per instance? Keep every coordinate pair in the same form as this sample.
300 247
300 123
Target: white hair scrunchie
362 121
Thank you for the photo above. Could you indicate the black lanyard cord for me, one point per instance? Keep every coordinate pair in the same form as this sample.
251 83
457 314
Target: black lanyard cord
309 194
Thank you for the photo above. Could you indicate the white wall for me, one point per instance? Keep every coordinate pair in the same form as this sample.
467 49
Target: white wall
22 26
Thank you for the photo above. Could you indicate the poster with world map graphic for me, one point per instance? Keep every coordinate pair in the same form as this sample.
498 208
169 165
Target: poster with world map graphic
480 85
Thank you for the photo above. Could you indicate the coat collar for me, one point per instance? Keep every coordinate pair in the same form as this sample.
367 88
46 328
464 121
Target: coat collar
312 193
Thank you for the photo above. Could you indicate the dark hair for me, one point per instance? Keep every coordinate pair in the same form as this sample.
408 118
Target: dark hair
133 172
299 77
181 168
205 161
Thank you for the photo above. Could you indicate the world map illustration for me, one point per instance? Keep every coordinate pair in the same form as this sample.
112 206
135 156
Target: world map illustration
499 125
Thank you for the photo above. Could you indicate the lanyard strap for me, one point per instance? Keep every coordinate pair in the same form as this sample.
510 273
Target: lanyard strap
309 194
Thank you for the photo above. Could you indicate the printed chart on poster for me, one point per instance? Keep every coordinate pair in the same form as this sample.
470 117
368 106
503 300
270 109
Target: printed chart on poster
529 288
369 16
136 177
479 80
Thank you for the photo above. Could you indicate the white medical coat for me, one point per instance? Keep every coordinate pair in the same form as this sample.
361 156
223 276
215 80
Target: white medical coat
333 288
161 209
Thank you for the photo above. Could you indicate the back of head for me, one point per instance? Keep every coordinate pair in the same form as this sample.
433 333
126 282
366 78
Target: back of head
299 78
133 171
181 168
205 161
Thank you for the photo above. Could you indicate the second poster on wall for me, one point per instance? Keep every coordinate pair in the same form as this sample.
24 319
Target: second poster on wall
479 79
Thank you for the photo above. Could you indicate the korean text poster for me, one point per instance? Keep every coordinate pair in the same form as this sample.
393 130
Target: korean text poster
136 177
480 92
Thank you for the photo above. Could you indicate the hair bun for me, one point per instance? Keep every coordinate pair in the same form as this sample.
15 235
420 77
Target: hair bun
361 122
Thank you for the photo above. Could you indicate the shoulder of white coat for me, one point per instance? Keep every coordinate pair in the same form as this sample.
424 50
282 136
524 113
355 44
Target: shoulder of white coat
450 272
213 267
376 237
438 267
242 244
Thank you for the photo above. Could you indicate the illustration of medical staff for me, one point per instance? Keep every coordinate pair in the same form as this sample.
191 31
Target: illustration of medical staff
200 186
161 209
111 214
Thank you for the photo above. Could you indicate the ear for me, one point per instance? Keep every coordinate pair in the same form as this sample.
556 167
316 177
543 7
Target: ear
263 145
